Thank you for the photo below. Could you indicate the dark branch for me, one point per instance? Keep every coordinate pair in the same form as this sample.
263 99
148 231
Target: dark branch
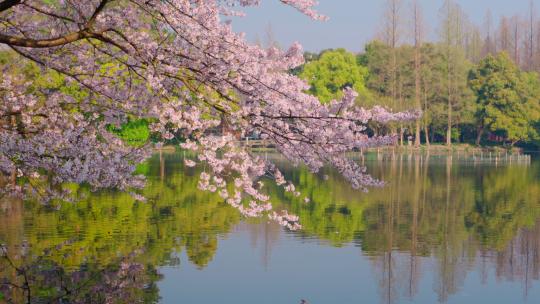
51 14
46 43
98 10
85 33
7 4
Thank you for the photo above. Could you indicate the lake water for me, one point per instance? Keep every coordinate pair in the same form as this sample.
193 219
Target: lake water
441 230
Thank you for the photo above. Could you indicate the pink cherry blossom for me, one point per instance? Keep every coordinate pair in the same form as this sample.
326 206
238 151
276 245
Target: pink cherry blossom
189 163
178 64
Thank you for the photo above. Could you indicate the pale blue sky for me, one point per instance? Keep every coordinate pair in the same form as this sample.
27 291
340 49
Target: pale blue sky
354 22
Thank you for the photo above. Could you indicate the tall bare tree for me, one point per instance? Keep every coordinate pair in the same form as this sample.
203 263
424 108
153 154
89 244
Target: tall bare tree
453 21
392 36
473 43
418 37
516 39
447 40
530 36
536 50
270 38
489 41
504 35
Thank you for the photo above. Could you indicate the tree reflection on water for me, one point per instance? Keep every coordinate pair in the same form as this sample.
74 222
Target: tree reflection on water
28 279
436 215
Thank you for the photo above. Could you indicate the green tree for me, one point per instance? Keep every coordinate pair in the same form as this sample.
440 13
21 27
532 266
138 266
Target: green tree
393 87
374 56
432 79
507 99
333 71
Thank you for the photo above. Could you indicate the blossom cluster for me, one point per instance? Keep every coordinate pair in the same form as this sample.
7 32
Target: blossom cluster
178 64
52 138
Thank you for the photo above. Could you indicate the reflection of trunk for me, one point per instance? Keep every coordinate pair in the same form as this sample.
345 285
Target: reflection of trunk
388 256
161 165
527 257
414 230
446 275
520 260
157 224
425 184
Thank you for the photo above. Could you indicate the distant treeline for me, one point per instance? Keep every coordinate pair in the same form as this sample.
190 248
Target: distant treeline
473 85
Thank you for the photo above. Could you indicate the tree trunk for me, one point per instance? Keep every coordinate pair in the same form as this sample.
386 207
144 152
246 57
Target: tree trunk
449 41
417 63
426 124
479 134
14 171
417 134
13 177
449 128
449 114
426 131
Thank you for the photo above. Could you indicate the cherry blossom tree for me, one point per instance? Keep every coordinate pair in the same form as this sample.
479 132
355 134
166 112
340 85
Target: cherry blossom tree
179 64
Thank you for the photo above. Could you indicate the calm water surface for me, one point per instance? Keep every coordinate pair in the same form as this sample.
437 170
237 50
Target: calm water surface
442 230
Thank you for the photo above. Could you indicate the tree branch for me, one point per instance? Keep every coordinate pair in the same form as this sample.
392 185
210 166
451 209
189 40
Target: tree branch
46 43
7 4
98 10
51 14
58 41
